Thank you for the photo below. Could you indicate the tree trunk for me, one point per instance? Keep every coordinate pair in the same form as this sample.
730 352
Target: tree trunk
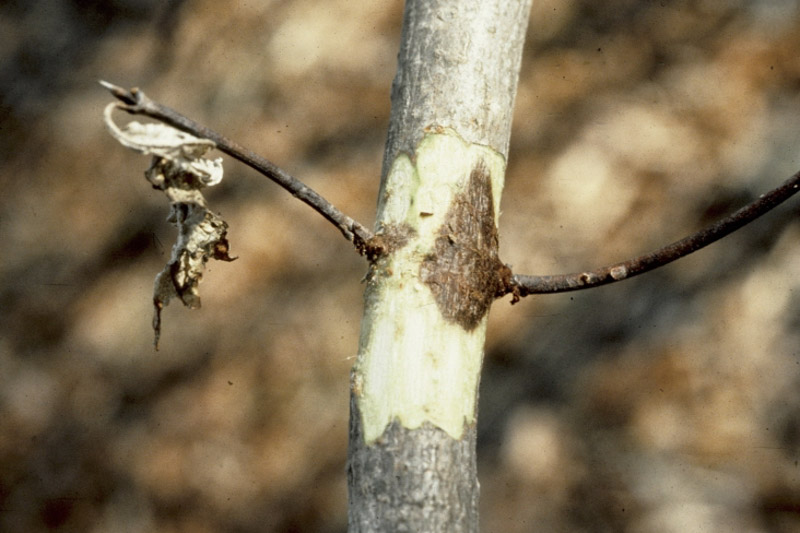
411 461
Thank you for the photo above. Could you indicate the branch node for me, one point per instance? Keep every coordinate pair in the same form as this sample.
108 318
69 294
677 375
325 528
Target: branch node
619 272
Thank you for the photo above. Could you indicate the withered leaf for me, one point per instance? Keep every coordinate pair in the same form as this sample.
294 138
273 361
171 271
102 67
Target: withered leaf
179 169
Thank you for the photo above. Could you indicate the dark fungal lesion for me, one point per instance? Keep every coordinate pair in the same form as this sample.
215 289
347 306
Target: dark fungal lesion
464 271
389 239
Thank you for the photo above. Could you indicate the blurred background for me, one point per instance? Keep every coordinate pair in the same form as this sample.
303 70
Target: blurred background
667 403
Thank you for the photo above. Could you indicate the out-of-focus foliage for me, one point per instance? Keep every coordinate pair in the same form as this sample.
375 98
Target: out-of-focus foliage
665 403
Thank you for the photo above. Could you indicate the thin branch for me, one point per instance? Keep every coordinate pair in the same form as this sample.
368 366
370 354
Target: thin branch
136 102
524 285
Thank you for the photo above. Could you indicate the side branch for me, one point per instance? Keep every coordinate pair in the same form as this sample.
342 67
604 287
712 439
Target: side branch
522 285
136 102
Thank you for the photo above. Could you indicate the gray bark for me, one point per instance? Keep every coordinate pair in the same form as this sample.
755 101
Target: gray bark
458 68
412 480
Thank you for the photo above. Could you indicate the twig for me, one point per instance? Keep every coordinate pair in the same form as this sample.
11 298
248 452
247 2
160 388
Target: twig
136 102
522 285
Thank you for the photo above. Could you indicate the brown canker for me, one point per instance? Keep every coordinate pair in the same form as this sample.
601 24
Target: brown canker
464 271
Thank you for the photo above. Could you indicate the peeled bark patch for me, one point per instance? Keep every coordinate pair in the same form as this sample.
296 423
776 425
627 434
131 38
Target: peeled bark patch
464 271
422 338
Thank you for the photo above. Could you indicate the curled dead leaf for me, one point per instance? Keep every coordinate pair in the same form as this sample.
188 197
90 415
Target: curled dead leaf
179 169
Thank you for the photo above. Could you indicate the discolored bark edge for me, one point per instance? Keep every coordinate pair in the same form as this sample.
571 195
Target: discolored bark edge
412 480
458 68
